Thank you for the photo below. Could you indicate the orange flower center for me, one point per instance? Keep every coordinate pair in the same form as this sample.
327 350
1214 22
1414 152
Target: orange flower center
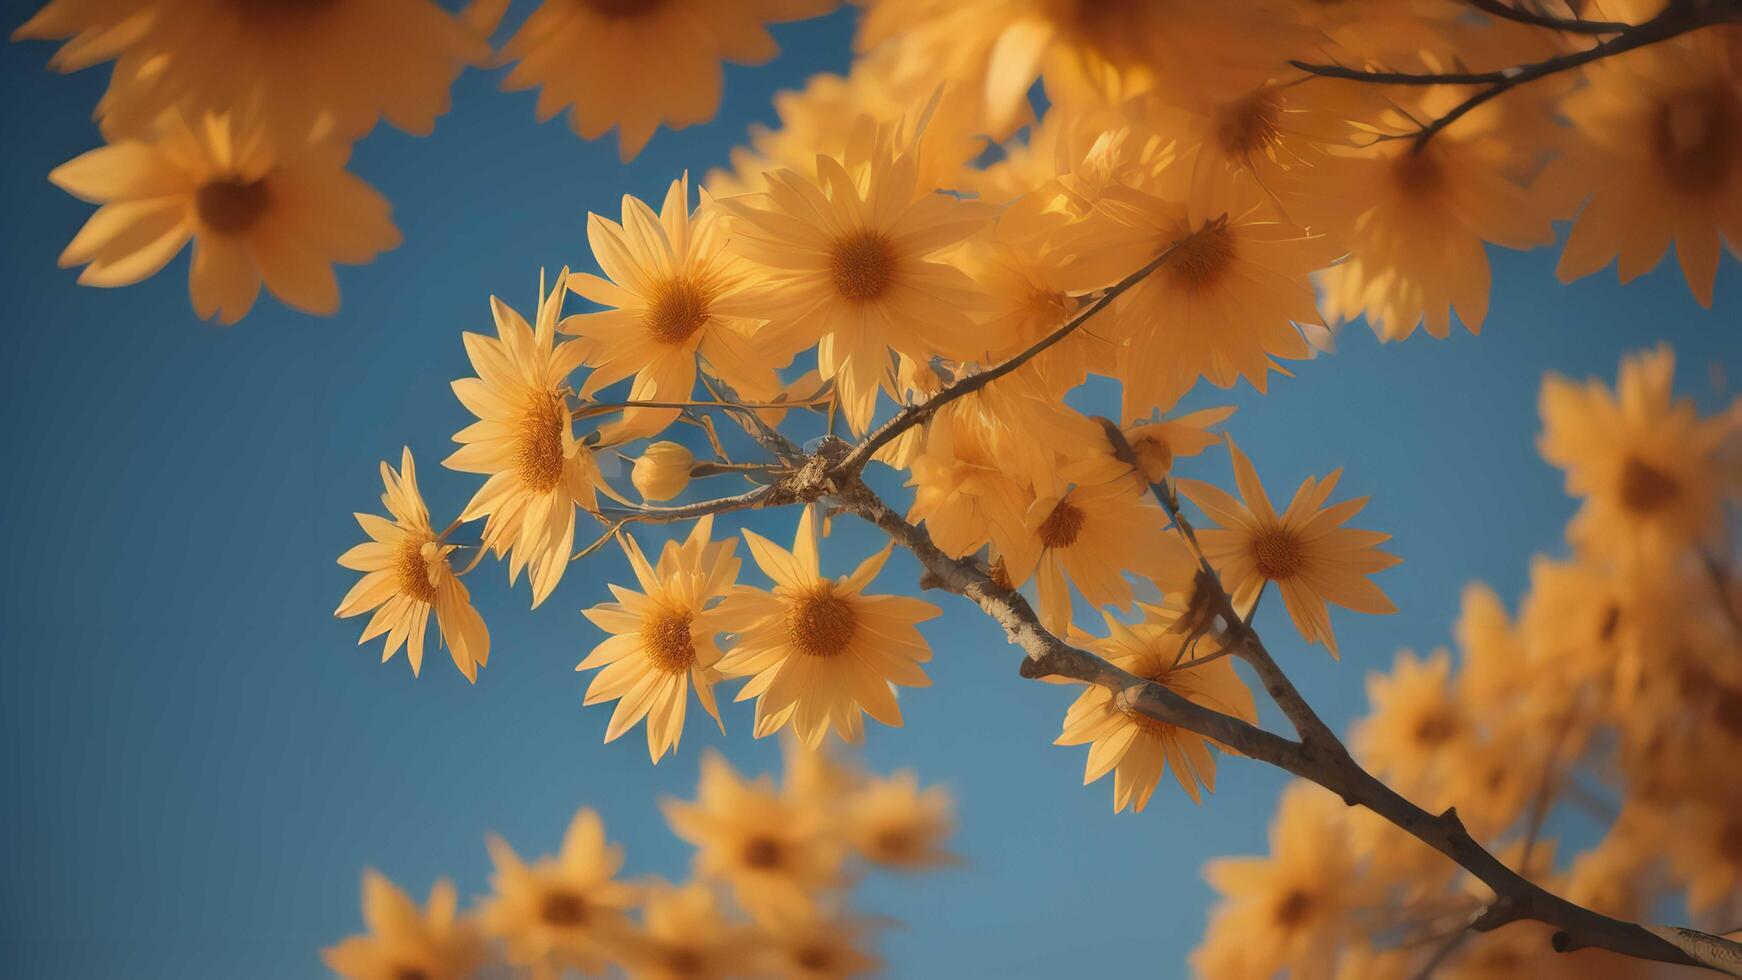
1276 552
231 206
861 265
763 853
667 639
1435 727
1644 488
1248 125
412 571
895 844
1292 910
264 9
1417 172
1730 842
683 961
1063 525
1201 260
816 959
410 973
678 310
538 453
622 8
1699 139
562 909
821 623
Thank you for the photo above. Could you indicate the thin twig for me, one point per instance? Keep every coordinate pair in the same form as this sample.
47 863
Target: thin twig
1505 11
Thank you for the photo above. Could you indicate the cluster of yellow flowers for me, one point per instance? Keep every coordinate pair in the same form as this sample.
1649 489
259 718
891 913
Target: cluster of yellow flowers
1616 691
774 869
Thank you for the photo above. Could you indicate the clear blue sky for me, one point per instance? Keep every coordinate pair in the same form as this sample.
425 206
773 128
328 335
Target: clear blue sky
198 760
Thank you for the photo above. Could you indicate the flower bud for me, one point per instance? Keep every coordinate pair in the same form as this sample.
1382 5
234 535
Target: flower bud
1154 456
662 471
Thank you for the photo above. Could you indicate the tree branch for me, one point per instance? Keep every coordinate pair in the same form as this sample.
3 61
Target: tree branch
1506 11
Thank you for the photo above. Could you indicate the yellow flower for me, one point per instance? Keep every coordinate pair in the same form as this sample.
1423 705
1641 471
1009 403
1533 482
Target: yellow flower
1224 306
662 471
1306 551
1155 444
963 490
405 941
1416 726
1703 841
524 440
894 824
1658 151
1138 749
819 651
1092 536
685 935
560 911
328 66
669 281
1289 910
255 208
1651 471
635 64
809 943
848 262
772 851
662 637
406 576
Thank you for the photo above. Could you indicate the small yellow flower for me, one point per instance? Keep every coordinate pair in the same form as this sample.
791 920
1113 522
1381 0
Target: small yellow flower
662 471
807 942
894 824
1416 725
407 576
407 942
686 935
1306 551
819 651
561 911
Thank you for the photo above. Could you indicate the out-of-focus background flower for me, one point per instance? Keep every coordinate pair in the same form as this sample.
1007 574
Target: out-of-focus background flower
198 759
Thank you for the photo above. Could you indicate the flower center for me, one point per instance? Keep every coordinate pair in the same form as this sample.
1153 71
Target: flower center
763 853
539 452
264 9
1063 525
862 265
1201 259
1730 842
563 909
622 8
1276 553
1644 488
1293 908
1417 173
678 310
667 639
412 570
895 843
231 206
1248 125
813 958
1435 727
683 961
821 623
1699 139
410 973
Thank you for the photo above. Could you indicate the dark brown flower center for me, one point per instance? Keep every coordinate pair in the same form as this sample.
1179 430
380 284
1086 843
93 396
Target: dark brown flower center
232 206
1247 125
1062 527
538 453
1292 910
1644 488
821 623
678 310
622 8
861 265
684 961
1202 259
764 853
1276 553
1435 727
412 571
1698 139
666 637
410 973
563 909
816 959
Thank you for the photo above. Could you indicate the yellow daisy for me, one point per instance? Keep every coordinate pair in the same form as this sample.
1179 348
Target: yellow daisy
408 943
662 638
1652 473
336 67
255 208
894 824
636 64
560 911
1137 749
1416 725
1091 536
667 272
963 491
686 935
849 262
524 440
1306 551
1659 153
1155 444
406 576
810 943
819 651
772 851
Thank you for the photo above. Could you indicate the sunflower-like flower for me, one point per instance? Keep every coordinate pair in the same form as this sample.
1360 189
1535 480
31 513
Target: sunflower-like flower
1659 153
406 941
1306 551
1652 473
774 852
663 637
1156 445
1417 724
1090 536
894 824
406 576
636 64
562 911
335 67
1137 749
669 279
849 262
256 208
963 490
820 652
524 440
808 942
686 935
1288 910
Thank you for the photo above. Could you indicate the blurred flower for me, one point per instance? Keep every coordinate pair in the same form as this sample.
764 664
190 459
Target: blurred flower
406 942
686 935
560 911
808 943
894 824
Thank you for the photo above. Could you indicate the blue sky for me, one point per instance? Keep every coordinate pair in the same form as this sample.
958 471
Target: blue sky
198 760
